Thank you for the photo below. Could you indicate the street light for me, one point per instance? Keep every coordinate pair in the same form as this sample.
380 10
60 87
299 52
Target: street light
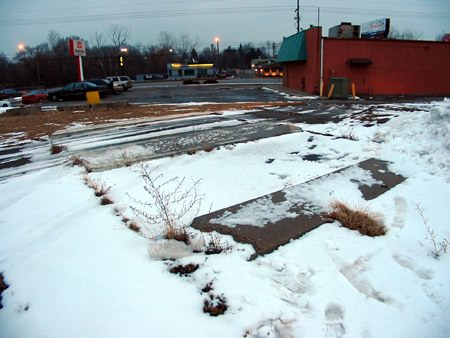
123 51
218 52
21 47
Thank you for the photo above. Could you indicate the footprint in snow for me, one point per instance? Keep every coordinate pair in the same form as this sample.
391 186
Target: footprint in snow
400 211
408 263
334 317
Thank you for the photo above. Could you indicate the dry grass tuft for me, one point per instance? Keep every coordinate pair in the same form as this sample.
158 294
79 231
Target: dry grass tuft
56 148
106 200
134 226
359 219
100 188
208 147
178 234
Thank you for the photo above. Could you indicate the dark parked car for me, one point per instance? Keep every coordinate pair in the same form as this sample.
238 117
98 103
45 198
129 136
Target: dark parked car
35 96
104 85
7 93
75 91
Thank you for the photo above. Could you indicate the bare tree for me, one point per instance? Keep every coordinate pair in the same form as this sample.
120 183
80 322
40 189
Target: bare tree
167 40
406 34
53 39
97 39
118 35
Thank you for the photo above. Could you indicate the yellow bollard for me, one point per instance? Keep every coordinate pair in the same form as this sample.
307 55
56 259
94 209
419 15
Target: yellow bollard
354 90
93 97
331 91
321 88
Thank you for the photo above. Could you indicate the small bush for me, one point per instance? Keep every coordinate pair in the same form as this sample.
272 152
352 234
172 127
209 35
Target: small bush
105 200
3 287
208 147
439 243
76 161
184 270
56 148
100 188
178 234
215 305
360 219
213 244
172 200
349 135
208 287
133 226
127 159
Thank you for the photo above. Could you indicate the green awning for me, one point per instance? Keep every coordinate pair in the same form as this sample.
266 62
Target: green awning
293 48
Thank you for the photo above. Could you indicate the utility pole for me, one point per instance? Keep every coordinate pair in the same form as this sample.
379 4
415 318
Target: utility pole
297 16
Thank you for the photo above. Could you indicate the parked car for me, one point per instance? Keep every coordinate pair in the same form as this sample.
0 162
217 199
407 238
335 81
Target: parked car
104 85
153 77
74 91
35 96
121 81
9 92
5 103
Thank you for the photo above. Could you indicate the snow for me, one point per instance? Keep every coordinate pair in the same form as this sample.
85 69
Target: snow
75 270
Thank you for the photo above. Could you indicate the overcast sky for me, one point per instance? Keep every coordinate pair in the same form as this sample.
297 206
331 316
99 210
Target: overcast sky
234 21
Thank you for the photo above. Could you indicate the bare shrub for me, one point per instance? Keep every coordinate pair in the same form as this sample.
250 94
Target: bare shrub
359 219
213 244
105 200
100 188
172 198
349 134
76 161
439 243
127 160
132 225
215 305
184 270
3 287
208 287
207 147
192 151
56 148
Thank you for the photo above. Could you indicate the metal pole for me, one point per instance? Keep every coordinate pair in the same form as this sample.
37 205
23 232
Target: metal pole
38 68
218 54
318 16
297 18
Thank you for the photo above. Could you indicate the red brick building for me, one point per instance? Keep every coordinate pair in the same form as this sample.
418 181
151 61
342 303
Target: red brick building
375 66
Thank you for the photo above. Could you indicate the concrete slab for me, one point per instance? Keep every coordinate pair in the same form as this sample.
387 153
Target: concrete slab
273 220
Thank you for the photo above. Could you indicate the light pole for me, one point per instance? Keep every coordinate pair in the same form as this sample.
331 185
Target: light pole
218 53
123 51
21 48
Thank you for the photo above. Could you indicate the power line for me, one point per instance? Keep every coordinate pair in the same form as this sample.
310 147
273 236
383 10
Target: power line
215 11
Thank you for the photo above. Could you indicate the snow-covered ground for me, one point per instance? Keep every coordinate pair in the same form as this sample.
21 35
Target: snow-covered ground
75 270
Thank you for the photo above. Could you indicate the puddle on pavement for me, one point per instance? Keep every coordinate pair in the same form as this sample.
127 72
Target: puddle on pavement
18 162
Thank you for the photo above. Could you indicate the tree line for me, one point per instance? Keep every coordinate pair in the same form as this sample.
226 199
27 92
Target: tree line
49 63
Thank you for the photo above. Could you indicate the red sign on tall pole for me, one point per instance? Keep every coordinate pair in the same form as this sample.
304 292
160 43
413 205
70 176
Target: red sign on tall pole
77 48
